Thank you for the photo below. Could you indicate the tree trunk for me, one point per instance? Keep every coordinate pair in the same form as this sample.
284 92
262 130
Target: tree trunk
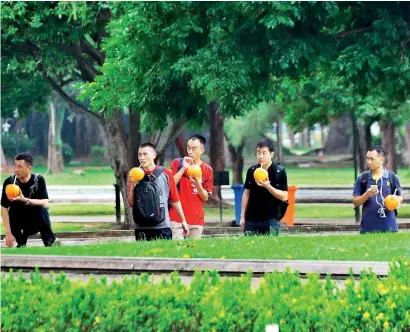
55 144
322 137
164 138
304 138
216 147
118 152
280 157
407 134
134 138
291 138
339 138
237 160
361 146
388 131
4 164
368 134
181 144
78 146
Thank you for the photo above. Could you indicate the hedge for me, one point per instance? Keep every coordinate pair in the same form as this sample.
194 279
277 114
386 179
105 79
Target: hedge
209 303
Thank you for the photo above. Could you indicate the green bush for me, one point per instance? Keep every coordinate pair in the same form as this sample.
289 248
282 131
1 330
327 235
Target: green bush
67 153
209 303
13 143
97 154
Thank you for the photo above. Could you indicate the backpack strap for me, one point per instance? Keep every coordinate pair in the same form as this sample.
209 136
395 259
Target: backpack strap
363 184
34 187
279 170
392 178
181 160
158 171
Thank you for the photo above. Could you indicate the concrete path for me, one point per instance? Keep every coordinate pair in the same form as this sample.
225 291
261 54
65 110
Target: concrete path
106 194
127 265
208 220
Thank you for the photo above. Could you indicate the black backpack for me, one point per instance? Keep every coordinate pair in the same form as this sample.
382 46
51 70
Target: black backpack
365 177
181 160
282 206
149 205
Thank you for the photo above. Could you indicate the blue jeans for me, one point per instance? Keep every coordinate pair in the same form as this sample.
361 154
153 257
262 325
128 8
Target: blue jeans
266 227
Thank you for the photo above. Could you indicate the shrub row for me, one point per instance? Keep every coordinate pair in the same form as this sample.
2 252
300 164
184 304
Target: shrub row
209 303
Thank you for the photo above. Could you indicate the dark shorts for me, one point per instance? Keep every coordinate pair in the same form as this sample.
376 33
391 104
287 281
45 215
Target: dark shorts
266 227
35 220
153 234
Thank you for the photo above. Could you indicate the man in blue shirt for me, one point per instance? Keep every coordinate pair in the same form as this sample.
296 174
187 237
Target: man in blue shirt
371 189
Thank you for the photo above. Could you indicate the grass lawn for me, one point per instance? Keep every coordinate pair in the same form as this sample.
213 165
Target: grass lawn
323 176
302 210
77 209
296 176
370 247
92 176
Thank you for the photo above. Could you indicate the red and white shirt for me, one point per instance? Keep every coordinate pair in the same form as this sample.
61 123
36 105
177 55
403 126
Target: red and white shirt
191 202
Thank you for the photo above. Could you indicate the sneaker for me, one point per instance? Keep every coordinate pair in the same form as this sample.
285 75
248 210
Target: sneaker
21 246
56 243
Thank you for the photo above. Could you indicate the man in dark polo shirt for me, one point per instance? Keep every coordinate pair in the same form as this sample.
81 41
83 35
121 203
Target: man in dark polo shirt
260 200
27 214
371 189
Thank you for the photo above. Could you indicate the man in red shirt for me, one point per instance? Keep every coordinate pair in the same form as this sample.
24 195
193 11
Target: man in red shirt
193 192
148 227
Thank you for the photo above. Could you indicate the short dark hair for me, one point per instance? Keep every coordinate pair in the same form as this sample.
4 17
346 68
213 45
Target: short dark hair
199 138
378 149
265 143
148 145
26 157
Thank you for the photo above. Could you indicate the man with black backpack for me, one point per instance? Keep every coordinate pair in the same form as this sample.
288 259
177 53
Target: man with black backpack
27 214
264 203
371 189
149 198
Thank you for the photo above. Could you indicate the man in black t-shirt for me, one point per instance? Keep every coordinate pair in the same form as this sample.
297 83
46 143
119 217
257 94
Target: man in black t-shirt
260 200
26 214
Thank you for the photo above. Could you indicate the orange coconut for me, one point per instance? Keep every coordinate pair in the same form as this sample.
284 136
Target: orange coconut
12 191
260 174
194 171
136 174
391 202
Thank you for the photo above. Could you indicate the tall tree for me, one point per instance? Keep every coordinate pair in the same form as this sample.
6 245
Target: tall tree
55 163
216 146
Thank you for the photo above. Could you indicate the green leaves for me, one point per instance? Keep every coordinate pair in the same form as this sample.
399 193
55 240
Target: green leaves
209 303
168 59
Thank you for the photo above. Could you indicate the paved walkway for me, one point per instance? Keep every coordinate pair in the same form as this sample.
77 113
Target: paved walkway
298 221
126 265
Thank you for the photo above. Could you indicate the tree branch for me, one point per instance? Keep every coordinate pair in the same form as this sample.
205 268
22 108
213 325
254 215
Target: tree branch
75 106
87 69
96 54
354 31
67 81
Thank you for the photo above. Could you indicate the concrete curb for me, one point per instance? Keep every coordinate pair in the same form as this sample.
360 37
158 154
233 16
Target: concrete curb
122 265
